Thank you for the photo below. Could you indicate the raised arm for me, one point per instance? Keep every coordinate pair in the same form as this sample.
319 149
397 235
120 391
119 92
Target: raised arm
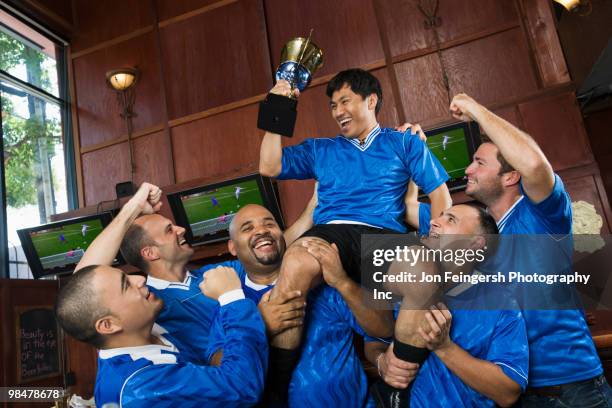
517 147
104 248
304 222
271 150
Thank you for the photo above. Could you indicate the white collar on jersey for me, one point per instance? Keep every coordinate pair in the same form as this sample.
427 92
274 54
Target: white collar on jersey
161 284
502 221
151 352
367 141
256 286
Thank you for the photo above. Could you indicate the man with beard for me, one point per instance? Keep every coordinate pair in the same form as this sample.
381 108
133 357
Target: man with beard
157 247
139 364
478 360
329 372
363 174
511 175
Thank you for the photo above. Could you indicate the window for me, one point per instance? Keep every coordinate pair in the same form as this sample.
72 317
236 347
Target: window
37 150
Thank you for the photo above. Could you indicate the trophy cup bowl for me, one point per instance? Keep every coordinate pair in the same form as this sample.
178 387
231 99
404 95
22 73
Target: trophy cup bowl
300 59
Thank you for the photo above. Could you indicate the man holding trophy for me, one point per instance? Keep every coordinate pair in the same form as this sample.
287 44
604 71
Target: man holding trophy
363 174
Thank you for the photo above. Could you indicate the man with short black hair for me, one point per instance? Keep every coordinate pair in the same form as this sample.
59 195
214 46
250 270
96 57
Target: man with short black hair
158 247
525 196
139 362
481 358
363 174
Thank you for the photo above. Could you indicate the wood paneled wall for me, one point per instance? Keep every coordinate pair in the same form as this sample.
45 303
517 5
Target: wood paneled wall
206 64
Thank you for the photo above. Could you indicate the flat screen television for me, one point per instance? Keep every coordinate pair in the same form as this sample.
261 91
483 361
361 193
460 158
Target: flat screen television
58 247
207 211
454 146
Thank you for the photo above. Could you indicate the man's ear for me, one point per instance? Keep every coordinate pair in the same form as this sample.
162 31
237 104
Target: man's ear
231 246
372 100
478 242
150 253
511 178
108 325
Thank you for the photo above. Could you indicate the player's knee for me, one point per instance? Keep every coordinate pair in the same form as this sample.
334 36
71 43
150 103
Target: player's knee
299 265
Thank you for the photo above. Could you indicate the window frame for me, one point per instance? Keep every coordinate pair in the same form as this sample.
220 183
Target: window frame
64 103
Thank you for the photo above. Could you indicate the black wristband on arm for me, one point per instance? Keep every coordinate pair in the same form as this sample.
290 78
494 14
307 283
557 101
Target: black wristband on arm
409 353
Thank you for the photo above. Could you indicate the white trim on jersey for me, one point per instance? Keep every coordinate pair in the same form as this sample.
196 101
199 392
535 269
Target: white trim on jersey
151 352
522 375
352 223
161 284
367 141
256 286
502 221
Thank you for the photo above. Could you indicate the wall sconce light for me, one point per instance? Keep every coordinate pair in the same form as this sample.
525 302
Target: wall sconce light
581 7
123 82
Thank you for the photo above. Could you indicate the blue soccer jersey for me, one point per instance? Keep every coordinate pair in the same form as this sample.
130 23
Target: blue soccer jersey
329 372
497 336
364 183
187 314
560 343
160 376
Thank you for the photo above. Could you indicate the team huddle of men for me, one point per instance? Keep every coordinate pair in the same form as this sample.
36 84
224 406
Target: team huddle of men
276 326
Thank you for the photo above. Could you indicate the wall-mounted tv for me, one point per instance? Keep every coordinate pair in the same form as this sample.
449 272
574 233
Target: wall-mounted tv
58 247
454 146
207 211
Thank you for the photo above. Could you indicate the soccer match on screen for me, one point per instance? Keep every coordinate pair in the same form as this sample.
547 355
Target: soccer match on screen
65 245
451 149
211 211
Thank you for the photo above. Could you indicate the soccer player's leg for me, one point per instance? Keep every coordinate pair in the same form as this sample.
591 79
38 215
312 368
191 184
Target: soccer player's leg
408 345
299 271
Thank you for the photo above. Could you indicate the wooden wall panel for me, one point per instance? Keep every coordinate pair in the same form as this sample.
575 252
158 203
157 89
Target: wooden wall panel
346 30
216 58
405 24
547 49
584 38
217 145
102 169
62 8
556 124
98 109
422 90
153 159
492 69
99 21
171 8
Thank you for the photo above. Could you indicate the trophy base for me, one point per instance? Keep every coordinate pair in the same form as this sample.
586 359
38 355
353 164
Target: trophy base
277 114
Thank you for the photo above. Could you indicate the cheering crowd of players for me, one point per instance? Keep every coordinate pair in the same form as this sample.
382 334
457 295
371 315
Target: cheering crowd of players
275 326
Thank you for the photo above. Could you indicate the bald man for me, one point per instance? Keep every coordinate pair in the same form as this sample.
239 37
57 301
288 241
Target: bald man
156 246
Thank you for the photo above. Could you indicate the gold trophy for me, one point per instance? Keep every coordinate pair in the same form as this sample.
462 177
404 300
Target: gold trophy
300 59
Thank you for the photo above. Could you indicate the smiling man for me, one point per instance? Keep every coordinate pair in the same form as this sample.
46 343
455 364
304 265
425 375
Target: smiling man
139 364
481 358
363 174
157 247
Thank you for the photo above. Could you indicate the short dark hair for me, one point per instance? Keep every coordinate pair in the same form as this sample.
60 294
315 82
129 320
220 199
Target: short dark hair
77 307
134 240
488 227
505 166
361 82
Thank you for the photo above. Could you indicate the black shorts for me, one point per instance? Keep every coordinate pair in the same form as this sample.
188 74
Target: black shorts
347 238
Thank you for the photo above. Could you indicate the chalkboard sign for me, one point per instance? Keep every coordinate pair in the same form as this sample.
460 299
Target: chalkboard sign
37 343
